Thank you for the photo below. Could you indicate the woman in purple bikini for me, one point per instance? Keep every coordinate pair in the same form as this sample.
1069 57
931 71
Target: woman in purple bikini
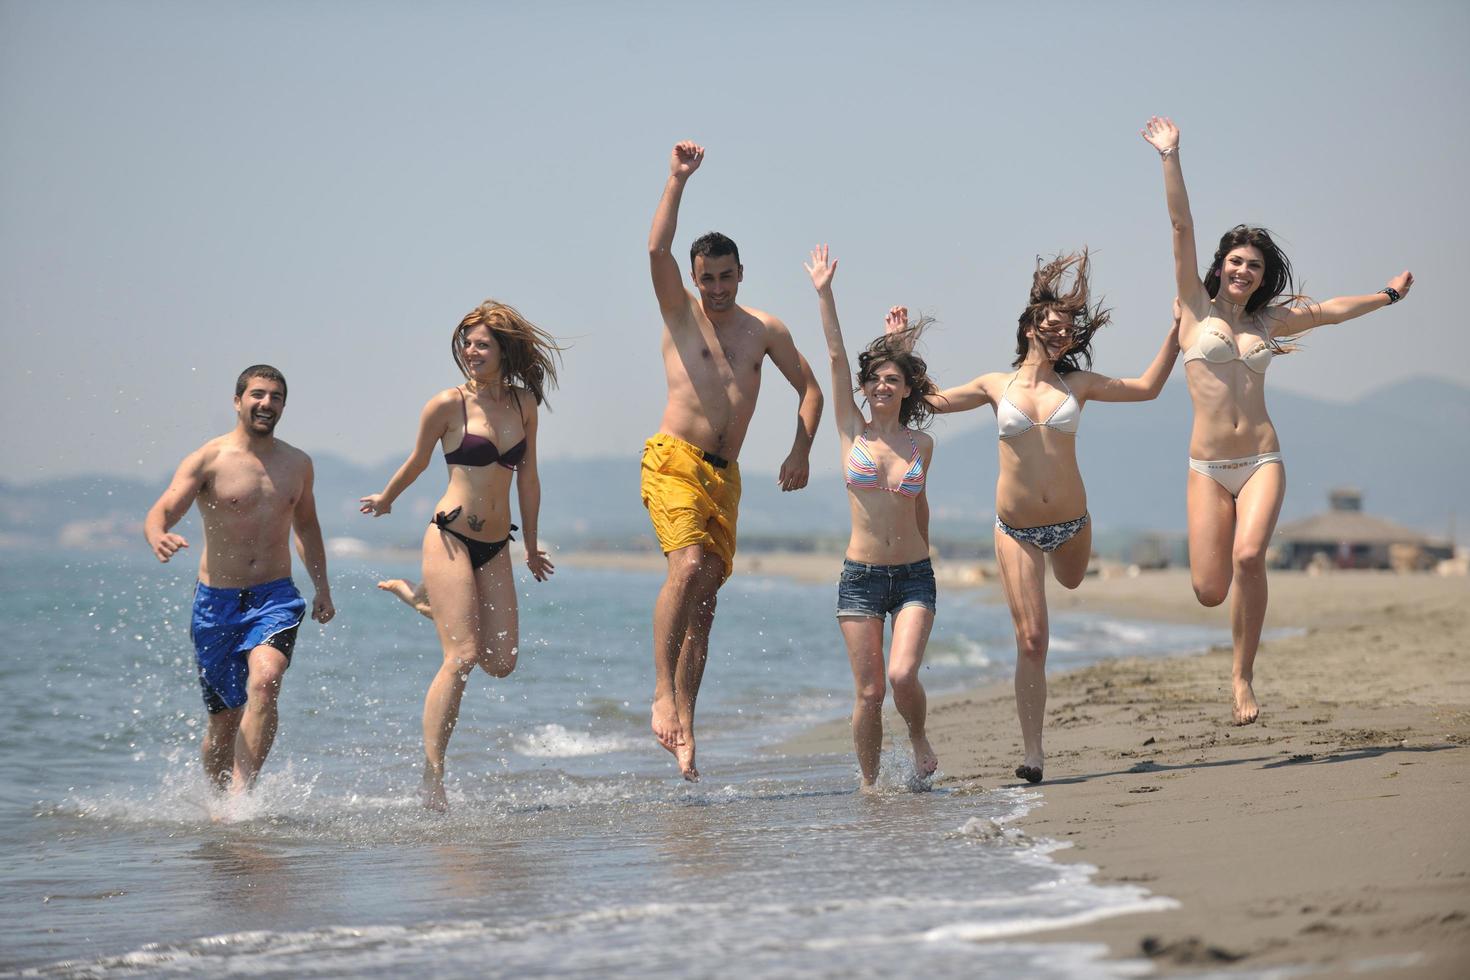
1233 322
490 423
1040 502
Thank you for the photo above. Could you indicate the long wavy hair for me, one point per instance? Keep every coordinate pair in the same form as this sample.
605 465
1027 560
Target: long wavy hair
1051 292
898 349
528 355
1276 279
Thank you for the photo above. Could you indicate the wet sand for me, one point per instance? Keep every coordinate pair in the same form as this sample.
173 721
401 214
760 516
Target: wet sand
1334 835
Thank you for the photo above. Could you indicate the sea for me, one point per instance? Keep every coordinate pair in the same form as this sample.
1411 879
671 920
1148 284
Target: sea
572 847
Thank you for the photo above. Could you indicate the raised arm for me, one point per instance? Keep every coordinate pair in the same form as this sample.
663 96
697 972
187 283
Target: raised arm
170 508
433 423
1088 385
1163 135
313 551
528 493
1293 321
796 468
844 408
668 284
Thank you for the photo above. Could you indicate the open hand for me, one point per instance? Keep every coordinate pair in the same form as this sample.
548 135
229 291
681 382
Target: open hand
1161 132
821 270
685 159
539 564
375 505
897 320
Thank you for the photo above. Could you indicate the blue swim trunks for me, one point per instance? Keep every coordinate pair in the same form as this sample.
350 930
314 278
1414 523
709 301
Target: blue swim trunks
229 623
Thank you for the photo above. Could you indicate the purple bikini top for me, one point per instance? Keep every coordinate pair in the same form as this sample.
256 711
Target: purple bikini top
476 450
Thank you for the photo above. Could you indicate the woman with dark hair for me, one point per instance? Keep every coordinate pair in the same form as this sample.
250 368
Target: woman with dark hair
1232 325
490 421
1040 502
886 570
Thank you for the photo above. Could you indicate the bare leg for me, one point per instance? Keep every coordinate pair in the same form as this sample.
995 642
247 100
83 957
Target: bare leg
1069 562
1211 532
693 653
258 722
864 638
218 747
1023 574
448 575
680 594
1257 508
911 626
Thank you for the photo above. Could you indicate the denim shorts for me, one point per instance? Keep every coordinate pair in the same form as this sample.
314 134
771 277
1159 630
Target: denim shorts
874 591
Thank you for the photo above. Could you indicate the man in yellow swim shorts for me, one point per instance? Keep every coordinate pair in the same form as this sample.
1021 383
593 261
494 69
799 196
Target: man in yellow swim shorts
713 350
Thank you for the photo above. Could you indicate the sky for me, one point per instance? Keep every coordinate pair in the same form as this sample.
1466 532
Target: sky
187 188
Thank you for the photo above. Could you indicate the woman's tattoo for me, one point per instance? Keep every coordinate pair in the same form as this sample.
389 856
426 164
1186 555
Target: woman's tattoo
475 523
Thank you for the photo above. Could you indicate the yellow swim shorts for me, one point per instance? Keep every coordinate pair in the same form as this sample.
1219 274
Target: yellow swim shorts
690 500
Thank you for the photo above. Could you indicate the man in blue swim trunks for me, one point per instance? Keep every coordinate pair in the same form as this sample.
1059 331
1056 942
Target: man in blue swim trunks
252 489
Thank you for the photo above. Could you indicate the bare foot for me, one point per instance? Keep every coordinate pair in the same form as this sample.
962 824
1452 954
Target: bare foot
925 761
666 726
1245 710
398 587
867 788
431 793
684 752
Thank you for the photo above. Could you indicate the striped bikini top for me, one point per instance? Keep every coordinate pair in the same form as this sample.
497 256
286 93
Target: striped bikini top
862 469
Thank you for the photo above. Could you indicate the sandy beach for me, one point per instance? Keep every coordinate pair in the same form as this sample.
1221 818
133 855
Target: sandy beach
1332 836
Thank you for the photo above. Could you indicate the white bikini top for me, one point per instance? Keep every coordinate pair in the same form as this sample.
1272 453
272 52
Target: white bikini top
1216 347
1011 421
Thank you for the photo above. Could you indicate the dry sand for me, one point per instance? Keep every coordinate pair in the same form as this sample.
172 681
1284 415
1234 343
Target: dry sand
1332 837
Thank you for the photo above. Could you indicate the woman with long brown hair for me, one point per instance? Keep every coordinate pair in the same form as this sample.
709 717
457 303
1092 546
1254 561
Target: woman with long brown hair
1233 323
886 569
487 430
1040 502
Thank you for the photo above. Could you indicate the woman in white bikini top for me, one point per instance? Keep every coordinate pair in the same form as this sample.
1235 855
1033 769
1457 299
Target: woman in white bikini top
1040 502
1231 326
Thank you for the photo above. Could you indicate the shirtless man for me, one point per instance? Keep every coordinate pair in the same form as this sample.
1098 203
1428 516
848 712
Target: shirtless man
713 350
252 490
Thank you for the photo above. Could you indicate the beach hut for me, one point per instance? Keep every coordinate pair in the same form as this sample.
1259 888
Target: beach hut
1345 537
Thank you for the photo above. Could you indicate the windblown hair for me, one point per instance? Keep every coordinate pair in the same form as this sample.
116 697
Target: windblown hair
528 354
1276 278
259 371
1050 293
712 245
898 349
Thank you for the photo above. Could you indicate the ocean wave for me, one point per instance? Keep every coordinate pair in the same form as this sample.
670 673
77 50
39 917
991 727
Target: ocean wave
555 741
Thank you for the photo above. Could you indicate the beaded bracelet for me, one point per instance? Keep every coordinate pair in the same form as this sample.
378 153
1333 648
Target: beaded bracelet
1392 294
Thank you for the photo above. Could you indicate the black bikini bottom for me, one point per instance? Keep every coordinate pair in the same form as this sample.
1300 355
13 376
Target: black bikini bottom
480 552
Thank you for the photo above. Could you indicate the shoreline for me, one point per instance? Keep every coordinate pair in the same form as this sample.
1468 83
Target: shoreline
1329 837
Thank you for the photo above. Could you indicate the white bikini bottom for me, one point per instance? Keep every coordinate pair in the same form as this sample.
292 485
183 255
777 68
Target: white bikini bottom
1233 474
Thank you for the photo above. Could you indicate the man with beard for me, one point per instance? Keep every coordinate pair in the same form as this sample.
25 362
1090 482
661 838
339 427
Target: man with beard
252 489
713 350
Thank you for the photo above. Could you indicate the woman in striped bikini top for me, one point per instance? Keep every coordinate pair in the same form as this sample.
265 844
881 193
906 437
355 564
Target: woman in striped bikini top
886 571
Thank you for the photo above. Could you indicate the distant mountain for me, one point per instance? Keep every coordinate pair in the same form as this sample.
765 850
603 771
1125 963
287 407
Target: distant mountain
1405 446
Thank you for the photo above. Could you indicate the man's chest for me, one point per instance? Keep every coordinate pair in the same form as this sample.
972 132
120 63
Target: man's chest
253 489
